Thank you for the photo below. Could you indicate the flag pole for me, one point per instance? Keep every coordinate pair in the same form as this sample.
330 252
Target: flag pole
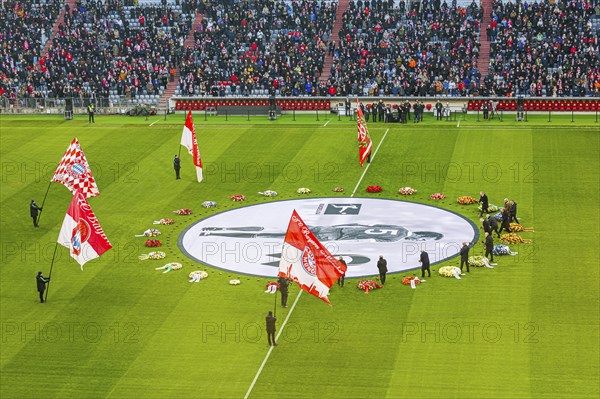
275 303
50 274
43 202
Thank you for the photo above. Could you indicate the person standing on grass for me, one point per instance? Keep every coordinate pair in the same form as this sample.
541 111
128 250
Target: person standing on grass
343 276
493 224
91 109
483 200
41 285
382 266
489 246
424 260
283 288
464 256
177 166
33 211
270 319
505 220
512 209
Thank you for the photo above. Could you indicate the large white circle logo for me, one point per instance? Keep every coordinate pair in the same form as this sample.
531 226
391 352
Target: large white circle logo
248 240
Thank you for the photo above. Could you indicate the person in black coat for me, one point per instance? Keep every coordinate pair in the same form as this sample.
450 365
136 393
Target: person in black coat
374 112
425 264
41 285
493 224
347 106
505 220
464 256
270 319
486 110
512 206
33 211
483 199
381 110
438 110
343 276
489 246
177 166
283 288
486 225
382 266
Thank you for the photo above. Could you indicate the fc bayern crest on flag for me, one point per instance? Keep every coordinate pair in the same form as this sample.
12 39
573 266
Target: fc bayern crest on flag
74 172
308 261
79 236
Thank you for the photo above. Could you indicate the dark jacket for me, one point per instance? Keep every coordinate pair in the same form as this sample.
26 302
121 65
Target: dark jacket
41 282
484 201
493 223
489 243
33 209
177 163
486 226
382 265
464 252
270 319
424 259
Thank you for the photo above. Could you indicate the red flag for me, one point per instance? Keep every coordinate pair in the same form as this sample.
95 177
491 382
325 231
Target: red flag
74 172
364 140
189 141
81 232
306 261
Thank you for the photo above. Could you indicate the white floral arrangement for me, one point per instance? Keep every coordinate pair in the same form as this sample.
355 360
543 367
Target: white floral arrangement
449 271
407 190
197 275
479 261
165 221
153 255
501 249
491 207
209 204
338 189
268 193
234 282
170 266
149 233
303 190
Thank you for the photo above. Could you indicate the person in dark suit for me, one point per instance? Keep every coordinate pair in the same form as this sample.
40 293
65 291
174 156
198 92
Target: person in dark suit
347 106
505 220
464 256
33 211
374 112
343 276
407 110
489 246
424 260
270 319
483 200
177 166
438 110
486 225
493 224
486 110
382 266
283 288
512 208
381 110
41 285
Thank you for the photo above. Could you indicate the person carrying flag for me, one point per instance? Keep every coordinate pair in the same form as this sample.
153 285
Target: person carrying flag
41 285
33 211
270 319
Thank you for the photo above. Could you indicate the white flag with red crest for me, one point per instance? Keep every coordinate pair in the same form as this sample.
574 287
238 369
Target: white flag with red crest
364 139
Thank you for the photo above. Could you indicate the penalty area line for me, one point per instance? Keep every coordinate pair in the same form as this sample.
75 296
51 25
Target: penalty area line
260 369
369 164
152 124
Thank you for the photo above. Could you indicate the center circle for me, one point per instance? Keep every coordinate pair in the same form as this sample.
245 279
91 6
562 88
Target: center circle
248 240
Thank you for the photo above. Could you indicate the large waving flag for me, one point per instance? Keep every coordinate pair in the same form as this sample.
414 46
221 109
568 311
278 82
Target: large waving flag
306 261
189 141
74 172
364 140
81 231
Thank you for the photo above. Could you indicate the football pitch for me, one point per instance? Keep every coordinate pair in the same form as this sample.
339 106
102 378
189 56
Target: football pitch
529 328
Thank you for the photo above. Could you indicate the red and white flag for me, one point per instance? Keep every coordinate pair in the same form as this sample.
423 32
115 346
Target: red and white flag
189 141
364 140
306 261
81 232
74 172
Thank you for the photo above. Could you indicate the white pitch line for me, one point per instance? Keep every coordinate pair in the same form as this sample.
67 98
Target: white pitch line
458 124
152 124
369 164
271 348
326 123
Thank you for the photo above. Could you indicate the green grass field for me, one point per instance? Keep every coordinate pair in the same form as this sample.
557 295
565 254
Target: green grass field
527 329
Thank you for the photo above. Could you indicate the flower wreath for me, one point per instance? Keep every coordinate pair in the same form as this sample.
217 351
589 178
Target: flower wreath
164 221
338 190
466 200
513 238
272 287
209 204
491 207
374 189
238 197
367 285
498 216
501 249
450 271
437 196
268 193
197 275
407 190
170 266
479 261
183 211
149 233
411 280
153 243
234 282
303 190
153 255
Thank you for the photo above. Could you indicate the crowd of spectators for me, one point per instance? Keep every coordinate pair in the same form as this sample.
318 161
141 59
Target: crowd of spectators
398 51
543 49
260 46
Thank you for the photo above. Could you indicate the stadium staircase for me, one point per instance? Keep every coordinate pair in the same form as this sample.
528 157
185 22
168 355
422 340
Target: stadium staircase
483 63
59 20
172 86
335 31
